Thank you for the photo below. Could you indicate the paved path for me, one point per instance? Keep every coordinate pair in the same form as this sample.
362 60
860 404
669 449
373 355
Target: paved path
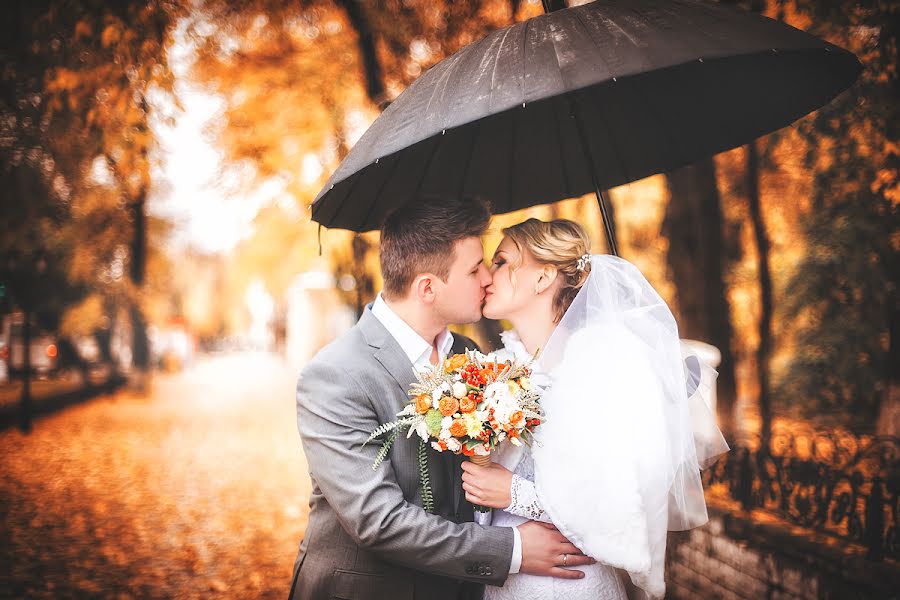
197 491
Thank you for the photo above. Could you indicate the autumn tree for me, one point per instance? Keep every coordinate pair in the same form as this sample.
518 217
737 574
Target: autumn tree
842 300
75 83
301 81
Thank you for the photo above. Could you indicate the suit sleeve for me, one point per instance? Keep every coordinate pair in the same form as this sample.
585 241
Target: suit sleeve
334 417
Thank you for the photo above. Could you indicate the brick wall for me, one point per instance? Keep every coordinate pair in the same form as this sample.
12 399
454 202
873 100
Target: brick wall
737 558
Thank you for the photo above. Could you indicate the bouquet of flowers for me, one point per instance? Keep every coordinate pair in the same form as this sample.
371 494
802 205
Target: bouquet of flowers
468 405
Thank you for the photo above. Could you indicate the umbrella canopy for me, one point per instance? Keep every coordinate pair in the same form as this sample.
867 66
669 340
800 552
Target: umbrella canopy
583 99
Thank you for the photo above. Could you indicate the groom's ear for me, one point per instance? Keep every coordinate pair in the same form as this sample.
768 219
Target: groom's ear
423 288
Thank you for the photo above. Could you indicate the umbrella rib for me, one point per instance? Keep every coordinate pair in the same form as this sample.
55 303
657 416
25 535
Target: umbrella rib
559 141
573 106
380 190
524 46
651 110
465 173
497 62
601 114
443 79
427 166
347 195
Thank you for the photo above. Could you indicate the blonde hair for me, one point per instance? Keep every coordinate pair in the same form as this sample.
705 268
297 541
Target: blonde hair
561 244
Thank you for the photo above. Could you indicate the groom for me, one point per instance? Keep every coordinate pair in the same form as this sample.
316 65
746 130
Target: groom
367 536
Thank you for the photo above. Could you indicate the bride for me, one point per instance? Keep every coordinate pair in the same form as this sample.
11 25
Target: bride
616 464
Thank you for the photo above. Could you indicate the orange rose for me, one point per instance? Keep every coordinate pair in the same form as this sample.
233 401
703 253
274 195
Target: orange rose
423 403
458 428
454 362
467 405
448 406
516 418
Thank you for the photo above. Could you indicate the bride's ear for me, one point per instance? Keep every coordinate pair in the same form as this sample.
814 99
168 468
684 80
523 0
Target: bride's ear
545 279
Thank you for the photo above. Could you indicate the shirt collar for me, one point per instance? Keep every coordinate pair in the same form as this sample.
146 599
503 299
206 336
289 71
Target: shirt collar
414 346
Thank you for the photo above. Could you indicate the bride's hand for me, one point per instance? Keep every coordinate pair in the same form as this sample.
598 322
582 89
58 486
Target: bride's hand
487 486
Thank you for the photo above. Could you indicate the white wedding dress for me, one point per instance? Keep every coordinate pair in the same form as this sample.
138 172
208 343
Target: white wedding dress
600 582
616 463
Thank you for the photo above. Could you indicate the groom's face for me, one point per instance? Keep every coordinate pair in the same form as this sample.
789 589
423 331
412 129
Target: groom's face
459 299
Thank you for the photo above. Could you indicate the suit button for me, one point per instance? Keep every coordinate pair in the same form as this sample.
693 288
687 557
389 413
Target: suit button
488 571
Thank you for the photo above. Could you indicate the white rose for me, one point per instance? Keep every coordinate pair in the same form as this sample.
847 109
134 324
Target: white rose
453 445
437 446
446 422
496 392
436 396
459 389
445 434
422 430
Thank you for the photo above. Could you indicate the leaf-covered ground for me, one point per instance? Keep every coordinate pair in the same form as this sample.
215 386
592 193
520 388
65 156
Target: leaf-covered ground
197 491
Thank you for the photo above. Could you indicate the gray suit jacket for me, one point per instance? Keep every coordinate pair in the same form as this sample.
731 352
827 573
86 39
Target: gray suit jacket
367 535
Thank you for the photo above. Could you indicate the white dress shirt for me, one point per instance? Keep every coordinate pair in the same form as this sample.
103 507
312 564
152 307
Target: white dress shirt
418 350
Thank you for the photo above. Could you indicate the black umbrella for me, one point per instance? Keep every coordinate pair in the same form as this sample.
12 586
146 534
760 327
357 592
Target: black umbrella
580 100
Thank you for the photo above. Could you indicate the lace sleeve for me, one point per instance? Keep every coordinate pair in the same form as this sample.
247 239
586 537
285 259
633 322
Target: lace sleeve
525 501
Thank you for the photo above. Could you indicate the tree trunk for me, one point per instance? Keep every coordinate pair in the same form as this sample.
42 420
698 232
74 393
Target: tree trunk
693 225
553 5
137 271
764 351
372 69
889 412
25 421
514 8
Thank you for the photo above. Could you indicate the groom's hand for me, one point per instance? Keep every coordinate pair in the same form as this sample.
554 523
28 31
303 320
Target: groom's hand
545 551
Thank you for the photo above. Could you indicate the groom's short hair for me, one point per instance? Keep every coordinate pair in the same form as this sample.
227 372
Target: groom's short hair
419 237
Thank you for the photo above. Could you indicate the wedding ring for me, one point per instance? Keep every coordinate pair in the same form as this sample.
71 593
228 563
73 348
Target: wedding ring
565 559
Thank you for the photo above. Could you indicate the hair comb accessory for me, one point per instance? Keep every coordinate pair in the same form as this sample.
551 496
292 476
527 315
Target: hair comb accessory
583 262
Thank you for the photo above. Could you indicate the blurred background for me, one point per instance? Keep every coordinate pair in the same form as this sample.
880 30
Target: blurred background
162 285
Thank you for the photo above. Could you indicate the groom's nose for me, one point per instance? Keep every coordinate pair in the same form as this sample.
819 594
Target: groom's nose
485 275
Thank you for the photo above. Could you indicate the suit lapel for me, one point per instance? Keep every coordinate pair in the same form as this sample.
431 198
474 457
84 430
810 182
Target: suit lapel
387 351
393 359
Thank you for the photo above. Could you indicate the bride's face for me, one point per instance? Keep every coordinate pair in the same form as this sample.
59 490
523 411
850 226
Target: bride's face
515 275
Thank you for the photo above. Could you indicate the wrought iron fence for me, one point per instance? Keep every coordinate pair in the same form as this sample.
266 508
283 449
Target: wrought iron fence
831 482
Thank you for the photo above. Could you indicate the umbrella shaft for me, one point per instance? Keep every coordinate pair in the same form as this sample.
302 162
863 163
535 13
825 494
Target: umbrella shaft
585 146
607 221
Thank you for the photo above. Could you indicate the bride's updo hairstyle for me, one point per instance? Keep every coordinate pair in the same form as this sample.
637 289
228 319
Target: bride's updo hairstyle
561 244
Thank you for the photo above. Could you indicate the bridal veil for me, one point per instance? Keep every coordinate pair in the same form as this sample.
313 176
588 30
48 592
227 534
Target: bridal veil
618 459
